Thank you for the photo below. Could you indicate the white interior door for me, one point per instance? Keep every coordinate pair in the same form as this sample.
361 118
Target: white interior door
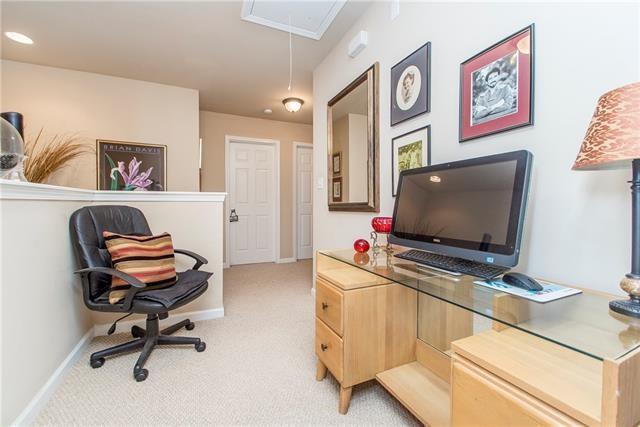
304 201
252 199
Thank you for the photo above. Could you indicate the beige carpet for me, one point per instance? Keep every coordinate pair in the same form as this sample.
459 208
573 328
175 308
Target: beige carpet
258 369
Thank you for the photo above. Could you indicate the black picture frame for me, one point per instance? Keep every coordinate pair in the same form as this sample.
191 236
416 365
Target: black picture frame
149 157
394 184
461 138
421 58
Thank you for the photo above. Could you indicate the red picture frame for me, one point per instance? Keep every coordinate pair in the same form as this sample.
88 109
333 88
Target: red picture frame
496 87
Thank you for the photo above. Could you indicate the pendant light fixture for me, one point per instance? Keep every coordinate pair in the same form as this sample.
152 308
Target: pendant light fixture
292 104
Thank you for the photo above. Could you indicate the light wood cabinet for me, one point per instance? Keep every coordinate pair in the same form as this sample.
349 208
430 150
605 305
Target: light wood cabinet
481 365
481 399
364 325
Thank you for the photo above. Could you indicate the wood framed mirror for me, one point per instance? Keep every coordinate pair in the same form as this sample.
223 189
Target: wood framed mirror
353 173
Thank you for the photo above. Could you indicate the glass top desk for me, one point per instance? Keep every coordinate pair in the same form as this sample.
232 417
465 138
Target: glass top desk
582 322
481 356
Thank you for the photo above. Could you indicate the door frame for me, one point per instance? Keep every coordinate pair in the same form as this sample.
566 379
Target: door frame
297 145
228 140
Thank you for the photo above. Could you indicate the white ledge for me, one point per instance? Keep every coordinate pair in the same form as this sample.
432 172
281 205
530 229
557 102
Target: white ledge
15 190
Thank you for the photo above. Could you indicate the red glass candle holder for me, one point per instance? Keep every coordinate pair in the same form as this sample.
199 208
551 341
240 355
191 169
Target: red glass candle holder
382 224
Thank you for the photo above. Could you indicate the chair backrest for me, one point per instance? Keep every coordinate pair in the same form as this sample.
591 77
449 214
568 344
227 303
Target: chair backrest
86 226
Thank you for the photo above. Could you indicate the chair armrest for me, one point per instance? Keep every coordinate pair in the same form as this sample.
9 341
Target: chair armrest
136 284
200 260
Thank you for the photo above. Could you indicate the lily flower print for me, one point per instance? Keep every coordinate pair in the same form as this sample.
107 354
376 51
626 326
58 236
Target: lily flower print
133 181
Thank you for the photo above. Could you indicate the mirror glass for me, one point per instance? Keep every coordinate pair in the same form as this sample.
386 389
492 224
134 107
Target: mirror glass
352 143
349 152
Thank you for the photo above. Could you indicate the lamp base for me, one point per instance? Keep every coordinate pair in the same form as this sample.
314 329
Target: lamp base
629 307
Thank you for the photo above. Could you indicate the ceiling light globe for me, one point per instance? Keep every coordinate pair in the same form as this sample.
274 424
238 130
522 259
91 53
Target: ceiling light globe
292 105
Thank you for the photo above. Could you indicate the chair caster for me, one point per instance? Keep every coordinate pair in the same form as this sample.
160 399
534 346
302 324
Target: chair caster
96 363
201 346
137 331
141 375
190 326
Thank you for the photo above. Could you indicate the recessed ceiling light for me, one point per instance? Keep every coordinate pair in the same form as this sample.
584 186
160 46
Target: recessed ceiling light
268 111
18 37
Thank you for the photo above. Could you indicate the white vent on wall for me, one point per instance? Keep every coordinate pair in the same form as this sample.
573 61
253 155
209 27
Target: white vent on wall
308 18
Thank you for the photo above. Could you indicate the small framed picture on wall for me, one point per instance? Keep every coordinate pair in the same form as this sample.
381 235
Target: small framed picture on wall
409 151
410 85
129 166
337 163
496 87
337 189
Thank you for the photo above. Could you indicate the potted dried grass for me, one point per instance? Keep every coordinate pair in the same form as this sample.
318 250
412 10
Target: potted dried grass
45 158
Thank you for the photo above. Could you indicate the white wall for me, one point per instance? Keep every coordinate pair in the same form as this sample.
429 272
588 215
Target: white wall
578 223
95 106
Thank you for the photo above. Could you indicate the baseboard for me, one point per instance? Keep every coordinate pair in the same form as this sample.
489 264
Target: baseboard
226 265
31 411
285 260
214 313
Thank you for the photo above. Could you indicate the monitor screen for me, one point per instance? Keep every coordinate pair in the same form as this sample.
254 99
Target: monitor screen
467 209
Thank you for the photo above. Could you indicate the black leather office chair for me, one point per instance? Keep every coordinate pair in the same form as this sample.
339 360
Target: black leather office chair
86 226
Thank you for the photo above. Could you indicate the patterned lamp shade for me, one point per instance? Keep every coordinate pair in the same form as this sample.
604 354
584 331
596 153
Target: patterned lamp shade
613 137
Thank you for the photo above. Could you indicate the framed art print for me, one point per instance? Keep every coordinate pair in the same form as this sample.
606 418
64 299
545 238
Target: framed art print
128 166
337 189
337 163
496 87
409 151
411 85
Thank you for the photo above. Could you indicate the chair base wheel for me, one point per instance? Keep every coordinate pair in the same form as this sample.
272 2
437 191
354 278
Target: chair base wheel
190 326
137 332
201 346
141 375
96 363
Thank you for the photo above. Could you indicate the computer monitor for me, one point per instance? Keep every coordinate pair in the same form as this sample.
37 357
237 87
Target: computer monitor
472 209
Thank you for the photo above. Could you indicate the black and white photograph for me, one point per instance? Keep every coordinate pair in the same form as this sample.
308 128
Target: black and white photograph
495 89
410 85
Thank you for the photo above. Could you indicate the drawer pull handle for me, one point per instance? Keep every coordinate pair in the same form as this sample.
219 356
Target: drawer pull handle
324 347
325 305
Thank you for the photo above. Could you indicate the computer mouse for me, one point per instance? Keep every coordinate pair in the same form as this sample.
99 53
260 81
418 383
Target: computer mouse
521 281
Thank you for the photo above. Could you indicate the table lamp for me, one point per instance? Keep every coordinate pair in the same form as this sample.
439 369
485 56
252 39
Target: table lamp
612 142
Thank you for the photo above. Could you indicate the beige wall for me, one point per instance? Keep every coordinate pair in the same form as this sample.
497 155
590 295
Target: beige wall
578 227
95 106
214 127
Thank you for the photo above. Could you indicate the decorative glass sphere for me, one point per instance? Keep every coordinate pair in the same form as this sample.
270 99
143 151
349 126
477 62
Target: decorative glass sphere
11 152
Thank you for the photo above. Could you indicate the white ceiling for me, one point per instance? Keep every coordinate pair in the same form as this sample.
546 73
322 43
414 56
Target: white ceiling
238 67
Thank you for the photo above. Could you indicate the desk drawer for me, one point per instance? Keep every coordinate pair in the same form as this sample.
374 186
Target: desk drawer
479 398
329 349
329 305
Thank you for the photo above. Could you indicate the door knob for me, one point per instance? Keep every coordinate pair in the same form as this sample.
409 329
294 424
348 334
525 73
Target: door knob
323 347
325 305
234 216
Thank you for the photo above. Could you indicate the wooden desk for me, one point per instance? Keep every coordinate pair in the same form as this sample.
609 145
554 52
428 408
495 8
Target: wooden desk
369 321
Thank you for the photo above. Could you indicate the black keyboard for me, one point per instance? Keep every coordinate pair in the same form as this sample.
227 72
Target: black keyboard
464 266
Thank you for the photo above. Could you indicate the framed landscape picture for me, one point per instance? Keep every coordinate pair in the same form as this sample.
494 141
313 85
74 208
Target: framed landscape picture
128 166
409 151
496 87
411 85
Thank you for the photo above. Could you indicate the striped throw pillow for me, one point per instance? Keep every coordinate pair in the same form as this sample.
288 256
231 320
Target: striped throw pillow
149 259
